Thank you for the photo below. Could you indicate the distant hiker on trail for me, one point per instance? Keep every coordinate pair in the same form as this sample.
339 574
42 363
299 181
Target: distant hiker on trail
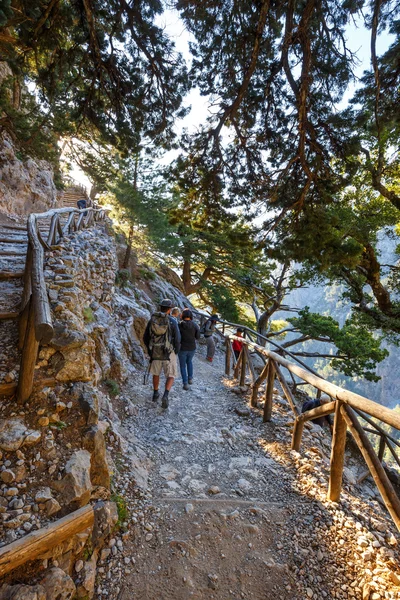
162 340
236 345
209 329
175 312
82 203
310 404
190 332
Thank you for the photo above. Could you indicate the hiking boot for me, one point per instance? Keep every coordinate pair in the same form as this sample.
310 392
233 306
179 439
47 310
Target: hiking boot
165 400
156 395
190 381
186 386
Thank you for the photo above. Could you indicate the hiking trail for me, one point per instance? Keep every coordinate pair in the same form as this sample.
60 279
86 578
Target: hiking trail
228 513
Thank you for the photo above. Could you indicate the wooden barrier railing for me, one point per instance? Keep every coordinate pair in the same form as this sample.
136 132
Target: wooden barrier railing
346 406
35 324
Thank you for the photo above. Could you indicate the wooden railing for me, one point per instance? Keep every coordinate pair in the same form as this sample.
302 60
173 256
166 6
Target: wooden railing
346 406
35 324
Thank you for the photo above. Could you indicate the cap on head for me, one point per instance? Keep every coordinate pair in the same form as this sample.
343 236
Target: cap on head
214 318
325 399
166 303
187 314
240 330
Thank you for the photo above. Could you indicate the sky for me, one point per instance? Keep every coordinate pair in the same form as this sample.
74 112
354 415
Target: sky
358 39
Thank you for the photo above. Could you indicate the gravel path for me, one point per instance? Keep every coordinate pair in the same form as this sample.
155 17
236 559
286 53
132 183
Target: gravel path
230 512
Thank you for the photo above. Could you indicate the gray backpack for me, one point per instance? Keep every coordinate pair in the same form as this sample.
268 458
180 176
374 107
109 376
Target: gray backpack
160 344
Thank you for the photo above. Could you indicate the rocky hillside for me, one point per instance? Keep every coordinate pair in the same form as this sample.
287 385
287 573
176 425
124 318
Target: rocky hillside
53 450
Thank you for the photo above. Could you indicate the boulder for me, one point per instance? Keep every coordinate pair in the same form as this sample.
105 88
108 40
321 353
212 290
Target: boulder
88 578
13 435
105 519
67 339
75 487
58 585
93 442
22 592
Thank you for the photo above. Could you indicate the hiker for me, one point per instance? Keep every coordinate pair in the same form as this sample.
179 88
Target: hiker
236 345
162 340
82 204
190 332
310 404
209 328
175 312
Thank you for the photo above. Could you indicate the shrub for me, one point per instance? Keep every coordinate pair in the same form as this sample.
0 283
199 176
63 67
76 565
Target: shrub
122 278
112 386
88 314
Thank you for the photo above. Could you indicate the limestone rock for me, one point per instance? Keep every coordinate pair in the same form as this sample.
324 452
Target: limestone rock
75 487
58 584
13 435
52 507
93 441
67 339
105 518
22 592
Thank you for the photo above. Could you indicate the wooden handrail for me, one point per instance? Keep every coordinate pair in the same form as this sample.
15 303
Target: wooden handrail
345 404
36 324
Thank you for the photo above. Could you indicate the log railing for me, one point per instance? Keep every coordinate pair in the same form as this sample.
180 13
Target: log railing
346 406
35 324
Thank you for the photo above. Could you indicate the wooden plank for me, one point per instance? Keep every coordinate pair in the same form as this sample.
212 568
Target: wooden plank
269 389
382 447
8 315
8 389
382 482
11 275
250 365
11 253
354 400
337 455
243 367
37 543
228 355
6 240
392 450
28 357
321 411
237 366
43 322
286 389
254 392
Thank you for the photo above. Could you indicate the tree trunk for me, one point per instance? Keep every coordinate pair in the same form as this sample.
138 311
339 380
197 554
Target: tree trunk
128 252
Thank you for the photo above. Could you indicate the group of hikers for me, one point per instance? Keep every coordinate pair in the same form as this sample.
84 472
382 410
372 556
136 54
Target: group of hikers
171 335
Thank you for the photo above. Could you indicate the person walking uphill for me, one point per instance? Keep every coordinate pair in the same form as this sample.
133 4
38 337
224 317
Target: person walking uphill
190 332
209 329
162 340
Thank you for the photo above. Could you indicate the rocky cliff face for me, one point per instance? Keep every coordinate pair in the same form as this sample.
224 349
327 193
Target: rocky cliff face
26 185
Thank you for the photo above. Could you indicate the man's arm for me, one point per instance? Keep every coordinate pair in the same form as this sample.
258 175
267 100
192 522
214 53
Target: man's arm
197 331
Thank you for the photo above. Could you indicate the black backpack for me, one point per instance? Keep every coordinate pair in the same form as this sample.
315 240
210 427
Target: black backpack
160 344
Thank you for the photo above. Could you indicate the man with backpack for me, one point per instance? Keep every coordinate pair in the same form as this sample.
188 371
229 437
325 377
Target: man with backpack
162 339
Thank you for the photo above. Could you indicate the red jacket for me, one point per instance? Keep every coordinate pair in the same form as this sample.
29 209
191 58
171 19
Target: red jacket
237 346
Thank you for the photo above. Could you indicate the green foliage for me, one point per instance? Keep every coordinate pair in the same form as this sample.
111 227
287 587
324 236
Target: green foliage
88 314
357 350
146 274
223 302
122 509
102 71
112 387
122 278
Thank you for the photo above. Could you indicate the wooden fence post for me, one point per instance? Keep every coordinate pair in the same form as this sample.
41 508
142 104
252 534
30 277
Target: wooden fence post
269 388
337 454
297 434
243 367
28 358
382 447
255 387
237 366
228 356
383 484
